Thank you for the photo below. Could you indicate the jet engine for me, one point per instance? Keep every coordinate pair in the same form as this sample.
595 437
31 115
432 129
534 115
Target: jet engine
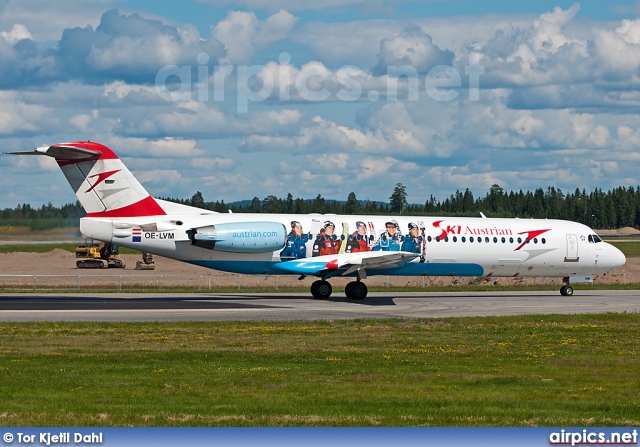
240 237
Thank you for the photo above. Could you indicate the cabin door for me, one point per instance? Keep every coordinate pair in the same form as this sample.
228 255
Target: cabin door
572 248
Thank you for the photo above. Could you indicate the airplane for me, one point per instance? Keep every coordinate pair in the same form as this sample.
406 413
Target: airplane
120 211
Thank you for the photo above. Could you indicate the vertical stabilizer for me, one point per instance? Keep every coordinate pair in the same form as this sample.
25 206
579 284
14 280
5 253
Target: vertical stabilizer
103 184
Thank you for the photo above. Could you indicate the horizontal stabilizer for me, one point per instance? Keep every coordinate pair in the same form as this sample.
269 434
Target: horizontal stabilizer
63 152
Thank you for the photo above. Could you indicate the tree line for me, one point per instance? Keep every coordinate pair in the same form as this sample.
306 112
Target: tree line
616 208
43 218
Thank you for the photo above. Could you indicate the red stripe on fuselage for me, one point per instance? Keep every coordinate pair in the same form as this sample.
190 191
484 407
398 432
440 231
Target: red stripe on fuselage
145 207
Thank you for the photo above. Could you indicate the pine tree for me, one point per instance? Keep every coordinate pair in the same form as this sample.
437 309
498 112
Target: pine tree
197 200
398 199
352 206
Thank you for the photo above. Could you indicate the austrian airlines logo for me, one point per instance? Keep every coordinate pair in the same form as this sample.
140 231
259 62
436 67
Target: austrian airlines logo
101 178
485 231
530 235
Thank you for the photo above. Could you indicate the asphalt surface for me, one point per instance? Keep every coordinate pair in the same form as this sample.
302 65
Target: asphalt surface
301 306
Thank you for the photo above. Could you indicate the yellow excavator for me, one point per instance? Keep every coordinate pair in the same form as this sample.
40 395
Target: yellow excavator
93 255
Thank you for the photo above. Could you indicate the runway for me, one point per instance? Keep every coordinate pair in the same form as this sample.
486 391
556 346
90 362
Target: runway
147 307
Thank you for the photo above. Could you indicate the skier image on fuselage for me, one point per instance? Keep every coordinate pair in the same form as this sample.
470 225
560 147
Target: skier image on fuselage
327 243
413 242
390 240
295 247
358 240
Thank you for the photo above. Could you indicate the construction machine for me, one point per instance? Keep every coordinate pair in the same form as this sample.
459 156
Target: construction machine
146 263
98 255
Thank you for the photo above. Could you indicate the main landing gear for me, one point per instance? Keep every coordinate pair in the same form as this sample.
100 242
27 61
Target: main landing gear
566 290
355 290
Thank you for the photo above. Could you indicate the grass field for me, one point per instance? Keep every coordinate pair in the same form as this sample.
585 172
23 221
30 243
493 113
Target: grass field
512 371
631 249
46 248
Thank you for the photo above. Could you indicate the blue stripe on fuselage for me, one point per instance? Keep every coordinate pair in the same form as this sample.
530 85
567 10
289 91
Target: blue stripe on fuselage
410 269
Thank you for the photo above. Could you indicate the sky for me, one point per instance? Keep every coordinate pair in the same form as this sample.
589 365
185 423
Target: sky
250 98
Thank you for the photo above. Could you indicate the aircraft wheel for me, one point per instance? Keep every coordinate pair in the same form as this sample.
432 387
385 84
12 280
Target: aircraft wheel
321 289
566 291
356 290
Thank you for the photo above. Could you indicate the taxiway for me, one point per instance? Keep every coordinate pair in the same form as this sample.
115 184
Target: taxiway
114 307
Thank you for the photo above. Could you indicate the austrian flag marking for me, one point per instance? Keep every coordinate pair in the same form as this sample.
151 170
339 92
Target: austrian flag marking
136 235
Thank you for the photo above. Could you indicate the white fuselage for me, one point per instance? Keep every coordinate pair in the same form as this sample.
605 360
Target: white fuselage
455 246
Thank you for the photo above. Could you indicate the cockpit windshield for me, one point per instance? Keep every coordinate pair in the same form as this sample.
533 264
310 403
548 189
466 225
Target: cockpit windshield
594 239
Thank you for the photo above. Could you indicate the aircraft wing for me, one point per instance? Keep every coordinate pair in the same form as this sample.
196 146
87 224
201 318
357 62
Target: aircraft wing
345 264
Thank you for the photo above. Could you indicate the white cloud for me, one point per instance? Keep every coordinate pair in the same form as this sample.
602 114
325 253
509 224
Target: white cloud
18 32
17 117
200 120
415 49
619 51
165 176
557 105
243 34
214 163
161 148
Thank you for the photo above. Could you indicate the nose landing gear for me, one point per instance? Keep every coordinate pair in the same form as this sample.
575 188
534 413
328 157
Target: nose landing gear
566 290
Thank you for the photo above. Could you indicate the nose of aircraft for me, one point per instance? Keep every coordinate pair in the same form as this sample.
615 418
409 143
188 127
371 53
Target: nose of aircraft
614 258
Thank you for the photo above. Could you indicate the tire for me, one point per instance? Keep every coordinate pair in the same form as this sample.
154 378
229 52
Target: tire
321 289
566 291
356 290
348 289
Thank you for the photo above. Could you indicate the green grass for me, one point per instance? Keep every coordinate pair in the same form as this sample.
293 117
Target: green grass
498 371
631 249
46 248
